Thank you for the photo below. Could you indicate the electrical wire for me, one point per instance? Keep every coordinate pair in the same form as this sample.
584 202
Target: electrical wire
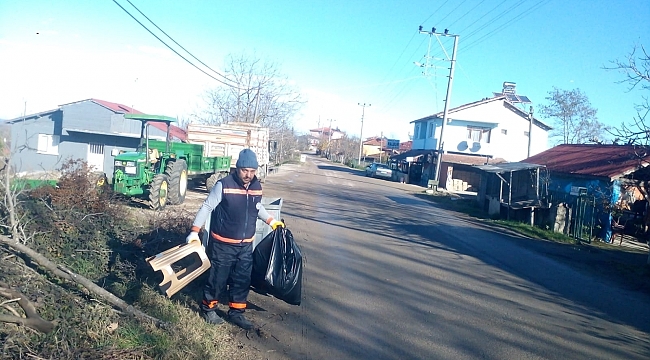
179 45
176 52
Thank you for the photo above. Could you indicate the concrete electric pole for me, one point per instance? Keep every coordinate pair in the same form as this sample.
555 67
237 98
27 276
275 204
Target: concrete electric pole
452 60
363 112
530 129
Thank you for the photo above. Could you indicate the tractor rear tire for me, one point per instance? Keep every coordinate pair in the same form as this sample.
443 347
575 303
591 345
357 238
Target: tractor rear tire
211 181
158 192
177 172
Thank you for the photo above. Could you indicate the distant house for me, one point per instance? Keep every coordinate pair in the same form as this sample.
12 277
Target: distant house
605 176
91 130
324 134
481 132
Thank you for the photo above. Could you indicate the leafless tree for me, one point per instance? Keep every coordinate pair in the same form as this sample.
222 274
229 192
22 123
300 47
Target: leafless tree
574 118
260 94
636 68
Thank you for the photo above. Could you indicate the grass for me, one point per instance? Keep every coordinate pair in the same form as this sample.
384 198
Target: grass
467 205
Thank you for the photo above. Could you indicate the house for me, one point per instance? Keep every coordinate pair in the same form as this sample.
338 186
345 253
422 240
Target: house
488 129
602 178
91 130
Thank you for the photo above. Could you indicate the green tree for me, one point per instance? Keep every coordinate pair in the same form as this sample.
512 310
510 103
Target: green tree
574 118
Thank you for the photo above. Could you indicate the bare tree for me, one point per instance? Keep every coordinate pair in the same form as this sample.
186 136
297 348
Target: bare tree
574 118
261 95
636 68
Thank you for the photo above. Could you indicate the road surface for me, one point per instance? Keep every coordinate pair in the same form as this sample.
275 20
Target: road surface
390 276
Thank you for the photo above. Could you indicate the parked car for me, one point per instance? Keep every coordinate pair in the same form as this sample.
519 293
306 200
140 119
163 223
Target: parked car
379 170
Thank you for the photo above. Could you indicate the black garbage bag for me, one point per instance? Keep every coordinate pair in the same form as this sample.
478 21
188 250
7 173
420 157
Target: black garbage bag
277 266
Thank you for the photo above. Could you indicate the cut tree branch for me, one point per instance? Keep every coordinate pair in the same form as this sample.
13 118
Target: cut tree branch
33 320
68 275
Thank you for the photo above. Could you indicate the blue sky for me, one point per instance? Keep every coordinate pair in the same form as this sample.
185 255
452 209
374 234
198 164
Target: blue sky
336 53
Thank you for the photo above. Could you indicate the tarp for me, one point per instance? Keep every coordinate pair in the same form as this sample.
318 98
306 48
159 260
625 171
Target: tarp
277 266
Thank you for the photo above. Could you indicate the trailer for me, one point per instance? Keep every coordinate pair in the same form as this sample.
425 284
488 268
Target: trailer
229 139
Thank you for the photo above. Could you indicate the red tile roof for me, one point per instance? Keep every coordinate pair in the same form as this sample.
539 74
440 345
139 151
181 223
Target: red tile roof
118 108
470 159
611 161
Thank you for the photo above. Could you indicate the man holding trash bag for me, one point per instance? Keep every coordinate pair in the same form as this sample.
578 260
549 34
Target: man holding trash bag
234 205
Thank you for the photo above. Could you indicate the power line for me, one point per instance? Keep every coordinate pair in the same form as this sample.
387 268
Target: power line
172 49
179 45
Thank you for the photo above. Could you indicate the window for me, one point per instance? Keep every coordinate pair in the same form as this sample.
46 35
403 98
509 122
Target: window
430 131
417 131
96 149
423 131
478 134
48 144
504 131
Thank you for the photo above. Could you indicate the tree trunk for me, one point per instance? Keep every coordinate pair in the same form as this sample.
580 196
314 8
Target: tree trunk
66 274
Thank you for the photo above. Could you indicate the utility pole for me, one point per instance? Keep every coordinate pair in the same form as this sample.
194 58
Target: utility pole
363 112
448 95
530 129
381 145
329 142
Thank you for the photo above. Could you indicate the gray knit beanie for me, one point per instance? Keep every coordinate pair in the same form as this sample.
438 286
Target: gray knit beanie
247 159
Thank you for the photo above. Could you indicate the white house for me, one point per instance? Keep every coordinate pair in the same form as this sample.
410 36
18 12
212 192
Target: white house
492 128
488 131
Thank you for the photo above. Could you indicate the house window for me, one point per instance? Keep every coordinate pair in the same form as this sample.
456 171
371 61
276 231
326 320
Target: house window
417 131
478 134
96 149
48 144
423 131
504 131
430 130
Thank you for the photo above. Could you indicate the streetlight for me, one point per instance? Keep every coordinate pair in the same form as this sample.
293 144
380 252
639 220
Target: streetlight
363 112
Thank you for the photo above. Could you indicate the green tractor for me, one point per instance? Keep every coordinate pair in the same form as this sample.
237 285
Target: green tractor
159 171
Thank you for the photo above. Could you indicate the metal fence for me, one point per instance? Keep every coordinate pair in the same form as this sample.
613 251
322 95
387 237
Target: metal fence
585 213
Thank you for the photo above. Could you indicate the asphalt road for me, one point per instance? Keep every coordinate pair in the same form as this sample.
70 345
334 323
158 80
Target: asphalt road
390 276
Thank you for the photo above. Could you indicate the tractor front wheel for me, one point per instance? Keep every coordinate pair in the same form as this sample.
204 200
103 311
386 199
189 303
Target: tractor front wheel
211 181
158 192
177 172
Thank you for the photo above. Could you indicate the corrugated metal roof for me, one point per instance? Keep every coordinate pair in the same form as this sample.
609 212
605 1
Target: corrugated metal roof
507 167
611 161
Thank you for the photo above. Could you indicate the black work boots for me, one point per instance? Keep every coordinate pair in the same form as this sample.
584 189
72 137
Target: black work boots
211 317
241 321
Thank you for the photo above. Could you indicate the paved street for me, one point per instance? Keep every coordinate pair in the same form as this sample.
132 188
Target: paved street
390 276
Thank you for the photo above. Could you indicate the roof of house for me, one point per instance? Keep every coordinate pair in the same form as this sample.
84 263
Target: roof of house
502 98
470 159
174 130
325 130
610 161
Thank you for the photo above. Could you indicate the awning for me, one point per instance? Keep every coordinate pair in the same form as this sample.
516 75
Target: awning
413 153
507 167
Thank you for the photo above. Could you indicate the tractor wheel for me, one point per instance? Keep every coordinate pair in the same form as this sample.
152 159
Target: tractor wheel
211 181
158 192
177 172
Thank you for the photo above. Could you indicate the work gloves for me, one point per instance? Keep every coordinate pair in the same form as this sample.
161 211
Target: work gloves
276 223
193 236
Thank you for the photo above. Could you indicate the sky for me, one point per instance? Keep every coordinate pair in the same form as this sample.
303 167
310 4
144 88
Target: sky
337 54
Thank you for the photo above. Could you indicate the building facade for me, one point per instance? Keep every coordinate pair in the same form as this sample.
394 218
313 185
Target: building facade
91 130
